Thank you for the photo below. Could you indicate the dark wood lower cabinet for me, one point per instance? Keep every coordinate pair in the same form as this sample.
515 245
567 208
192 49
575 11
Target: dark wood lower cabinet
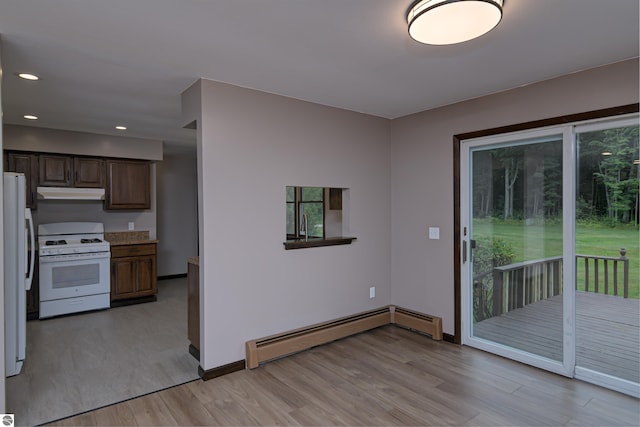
133 272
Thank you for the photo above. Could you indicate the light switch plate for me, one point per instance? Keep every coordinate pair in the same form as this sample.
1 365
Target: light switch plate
434 233
131 226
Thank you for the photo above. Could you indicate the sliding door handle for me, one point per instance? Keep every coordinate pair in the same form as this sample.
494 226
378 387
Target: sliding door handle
464 251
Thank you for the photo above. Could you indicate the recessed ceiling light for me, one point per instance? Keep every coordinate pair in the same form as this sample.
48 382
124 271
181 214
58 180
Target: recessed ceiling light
30 117
28 76
121 127
606 153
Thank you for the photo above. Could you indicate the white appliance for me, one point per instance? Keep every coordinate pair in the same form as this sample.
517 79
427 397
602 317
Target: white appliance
74 268
70 193
19 256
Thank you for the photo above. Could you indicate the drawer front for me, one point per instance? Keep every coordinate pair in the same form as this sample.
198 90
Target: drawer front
133 250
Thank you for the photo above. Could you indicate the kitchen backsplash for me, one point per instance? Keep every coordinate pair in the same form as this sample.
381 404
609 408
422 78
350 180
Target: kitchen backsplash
125 236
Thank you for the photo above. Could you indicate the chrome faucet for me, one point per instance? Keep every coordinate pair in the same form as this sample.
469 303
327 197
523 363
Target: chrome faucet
304 226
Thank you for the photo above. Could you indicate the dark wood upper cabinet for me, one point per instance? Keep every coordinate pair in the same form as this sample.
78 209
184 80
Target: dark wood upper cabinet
88 172
55 171
27 164
71 171
128 184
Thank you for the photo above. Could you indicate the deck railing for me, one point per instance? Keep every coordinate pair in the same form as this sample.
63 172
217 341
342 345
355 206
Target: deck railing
523 283
482 291
606 279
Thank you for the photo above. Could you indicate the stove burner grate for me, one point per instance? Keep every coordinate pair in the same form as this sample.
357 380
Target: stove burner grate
55 242
96 240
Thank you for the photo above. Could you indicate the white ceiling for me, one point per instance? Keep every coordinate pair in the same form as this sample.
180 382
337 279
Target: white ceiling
112 62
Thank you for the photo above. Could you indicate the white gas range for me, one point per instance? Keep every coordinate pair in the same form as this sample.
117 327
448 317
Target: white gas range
74 268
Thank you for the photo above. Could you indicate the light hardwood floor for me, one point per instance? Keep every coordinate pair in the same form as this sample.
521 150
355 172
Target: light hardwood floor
388 376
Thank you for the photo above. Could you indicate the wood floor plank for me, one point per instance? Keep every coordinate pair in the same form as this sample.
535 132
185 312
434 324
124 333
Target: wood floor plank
365 380
115 415
309 385
256 397
87 419
230 413
598 413
150 410
179 402
490 420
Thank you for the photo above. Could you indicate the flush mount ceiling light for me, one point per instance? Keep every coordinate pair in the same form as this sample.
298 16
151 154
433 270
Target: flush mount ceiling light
119 127
30 117
441 22
28 76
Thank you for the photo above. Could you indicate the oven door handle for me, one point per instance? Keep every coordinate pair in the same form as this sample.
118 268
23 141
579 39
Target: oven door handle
30 248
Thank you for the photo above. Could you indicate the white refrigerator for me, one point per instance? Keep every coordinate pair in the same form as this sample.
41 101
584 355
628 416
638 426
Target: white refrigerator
19 261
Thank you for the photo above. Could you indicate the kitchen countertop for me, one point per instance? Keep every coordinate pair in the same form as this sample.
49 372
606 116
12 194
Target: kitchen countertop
118 238
132 242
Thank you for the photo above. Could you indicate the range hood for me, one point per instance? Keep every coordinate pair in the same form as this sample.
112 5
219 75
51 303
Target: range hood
70 193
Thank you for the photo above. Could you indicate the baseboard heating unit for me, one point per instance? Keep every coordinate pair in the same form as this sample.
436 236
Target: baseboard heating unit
274 346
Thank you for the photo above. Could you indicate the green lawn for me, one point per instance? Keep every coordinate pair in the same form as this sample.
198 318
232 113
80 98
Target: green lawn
531 242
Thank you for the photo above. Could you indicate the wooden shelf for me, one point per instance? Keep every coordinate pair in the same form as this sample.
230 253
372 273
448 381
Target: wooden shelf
315 243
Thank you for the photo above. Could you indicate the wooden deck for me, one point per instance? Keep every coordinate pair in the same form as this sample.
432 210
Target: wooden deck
607 332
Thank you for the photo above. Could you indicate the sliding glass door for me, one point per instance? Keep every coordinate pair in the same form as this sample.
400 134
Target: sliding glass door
607 255
549 226
515 258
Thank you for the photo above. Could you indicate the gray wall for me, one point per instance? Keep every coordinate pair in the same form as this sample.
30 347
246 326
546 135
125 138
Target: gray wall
422 163
28 138
399 174
177 219
251 145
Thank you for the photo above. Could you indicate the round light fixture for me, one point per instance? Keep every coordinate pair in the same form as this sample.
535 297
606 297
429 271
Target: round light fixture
121 127
441 22
30 117
28 76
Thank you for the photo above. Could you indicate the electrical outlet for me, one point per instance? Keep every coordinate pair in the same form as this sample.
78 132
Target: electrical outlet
372 292
131 226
